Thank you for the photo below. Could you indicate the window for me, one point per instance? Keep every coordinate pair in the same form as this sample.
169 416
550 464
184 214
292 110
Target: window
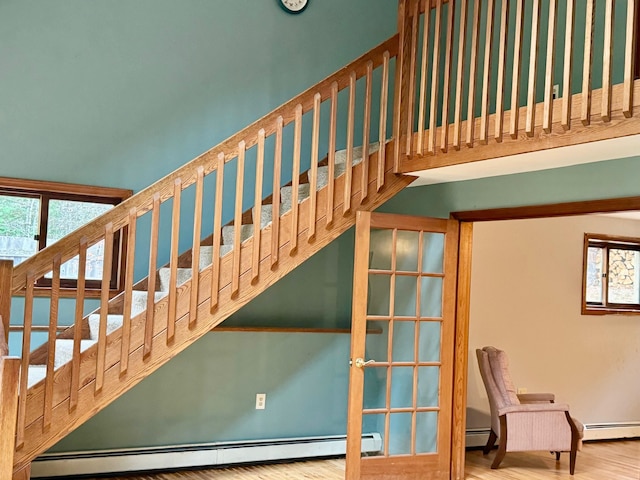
35 214
611 279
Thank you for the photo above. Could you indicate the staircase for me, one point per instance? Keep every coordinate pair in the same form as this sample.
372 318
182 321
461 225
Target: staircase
259 234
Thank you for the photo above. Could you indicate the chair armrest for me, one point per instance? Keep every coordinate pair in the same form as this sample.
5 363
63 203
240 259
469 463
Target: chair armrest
536 397
534 407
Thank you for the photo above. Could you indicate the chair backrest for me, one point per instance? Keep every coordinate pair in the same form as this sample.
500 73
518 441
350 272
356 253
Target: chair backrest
494 370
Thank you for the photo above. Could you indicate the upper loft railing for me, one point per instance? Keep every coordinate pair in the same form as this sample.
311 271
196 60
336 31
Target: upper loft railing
508 73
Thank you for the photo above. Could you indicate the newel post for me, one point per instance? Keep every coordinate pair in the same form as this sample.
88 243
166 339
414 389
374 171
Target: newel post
9 379
403 104
6 274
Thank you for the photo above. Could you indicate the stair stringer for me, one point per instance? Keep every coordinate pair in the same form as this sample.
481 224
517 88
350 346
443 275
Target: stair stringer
38 438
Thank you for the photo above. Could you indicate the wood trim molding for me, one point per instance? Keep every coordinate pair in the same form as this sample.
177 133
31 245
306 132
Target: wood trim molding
36 186
550 210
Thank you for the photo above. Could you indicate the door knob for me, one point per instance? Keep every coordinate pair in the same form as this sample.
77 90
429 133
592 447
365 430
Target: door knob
360 363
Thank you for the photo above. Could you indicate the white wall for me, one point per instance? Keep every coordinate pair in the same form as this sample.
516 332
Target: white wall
526 299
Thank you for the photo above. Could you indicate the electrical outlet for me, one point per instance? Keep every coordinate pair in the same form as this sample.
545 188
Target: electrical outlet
522 390
261 401
556 91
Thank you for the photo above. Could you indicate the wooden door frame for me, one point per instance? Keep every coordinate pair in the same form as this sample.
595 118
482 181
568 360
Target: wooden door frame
461 346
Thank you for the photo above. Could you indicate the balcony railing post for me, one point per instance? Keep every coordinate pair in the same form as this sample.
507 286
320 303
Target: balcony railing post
6 273
402 102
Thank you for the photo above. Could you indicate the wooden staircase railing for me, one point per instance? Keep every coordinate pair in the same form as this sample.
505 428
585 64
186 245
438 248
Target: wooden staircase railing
479 96
214 195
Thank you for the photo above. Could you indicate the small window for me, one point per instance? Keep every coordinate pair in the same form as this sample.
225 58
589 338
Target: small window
611 279
35 214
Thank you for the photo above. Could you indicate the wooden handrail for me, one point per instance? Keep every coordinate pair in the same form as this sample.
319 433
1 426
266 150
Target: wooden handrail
143 202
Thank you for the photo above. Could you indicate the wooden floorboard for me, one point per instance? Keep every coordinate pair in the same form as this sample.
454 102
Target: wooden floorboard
618 460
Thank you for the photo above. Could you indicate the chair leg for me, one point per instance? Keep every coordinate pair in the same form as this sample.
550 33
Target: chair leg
490 442
557 456
572 461
502 446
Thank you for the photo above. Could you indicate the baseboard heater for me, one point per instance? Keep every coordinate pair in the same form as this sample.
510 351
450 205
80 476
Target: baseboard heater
477 437
199 455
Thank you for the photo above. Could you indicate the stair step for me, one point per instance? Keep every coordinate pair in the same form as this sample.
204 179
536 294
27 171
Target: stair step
285 196
64 350
206 254
139 301
228 232
183 275
266 215
36 374
341 155
114 322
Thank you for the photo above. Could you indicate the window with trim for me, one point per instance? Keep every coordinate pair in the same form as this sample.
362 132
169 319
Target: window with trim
611 277
35 214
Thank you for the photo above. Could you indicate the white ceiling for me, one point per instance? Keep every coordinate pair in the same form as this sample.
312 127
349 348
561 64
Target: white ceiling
612 149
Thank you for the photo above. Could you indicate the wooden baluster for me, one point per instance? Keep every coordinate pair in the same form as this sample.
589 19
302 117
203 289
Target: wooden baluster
237 222
364 185
629 58
173 260
413 53
547 119
275 205
607 60
104 306
195 249
424 73
9 379
400 99
382 135
313 174
448 59
533 68
217 235
517 67
151 279
77 327
435 74
257 208
462 43
128 289
585 115
295 180
51 342
502 60
484 117
350 133
471 115
6 274
26 359
331 157
568 66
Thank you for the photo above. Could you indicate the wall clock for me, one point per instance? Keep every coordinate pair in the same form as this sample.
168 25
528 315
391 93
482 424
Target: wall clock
293 6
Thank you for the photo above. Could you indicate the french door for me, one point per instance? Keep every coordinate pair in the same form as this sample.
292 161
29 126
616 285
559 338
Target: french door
401 376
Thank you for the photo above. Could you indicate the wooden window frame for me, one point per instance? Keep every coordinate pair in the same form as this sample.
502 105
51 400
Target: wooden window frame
45 191
606 242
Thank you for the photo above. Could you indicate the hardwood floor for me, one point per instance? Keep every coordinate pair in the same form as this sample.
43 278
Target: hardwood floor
597 461
618 460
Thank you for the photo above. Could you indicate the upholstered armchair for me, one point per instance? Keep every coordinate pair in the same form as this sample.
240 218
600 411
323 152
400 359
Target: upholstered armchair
525 422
